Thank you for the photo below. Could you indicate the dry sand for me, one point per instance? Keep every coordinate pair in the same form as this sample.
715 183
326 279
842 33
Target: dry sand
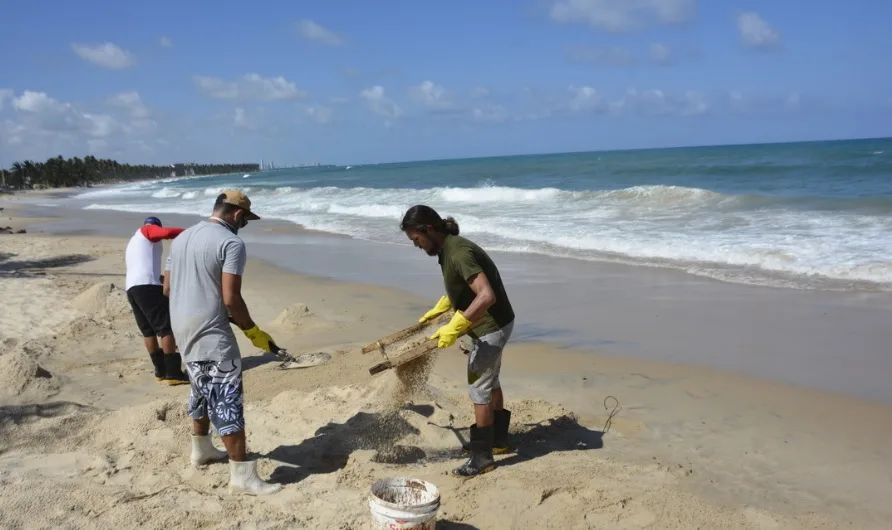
88 439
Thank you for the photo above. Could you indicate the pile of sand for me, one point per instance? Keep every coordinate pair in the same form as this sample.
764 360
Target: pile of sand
103 299
294 317
21 375
104 305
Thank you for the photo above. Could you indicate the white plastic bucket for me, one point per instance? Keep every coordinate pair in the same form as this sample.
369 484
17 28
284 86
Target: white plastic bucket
404 503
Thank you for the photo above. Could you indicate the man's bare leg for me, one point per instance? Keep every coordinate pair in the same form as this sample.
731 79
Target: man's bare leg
151 344
168 344
236 446
498 399
483 415
201 427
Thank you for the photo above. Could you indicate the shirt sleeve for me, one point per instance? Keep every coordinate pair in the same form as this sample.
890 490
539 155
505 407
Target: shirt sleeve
465 263
167 264
155 233
234 257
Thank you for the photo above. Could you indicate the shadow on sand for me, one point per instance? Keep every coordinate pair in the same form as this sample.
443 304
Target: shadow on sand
534 440
10 268
12 415
19 414
249 363
331 445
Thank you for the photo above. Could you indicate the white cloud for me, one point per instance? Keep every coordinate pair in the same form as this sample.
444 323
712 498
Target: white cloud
479 92
736 101
312 31
36 102
379 103
39 113
623 15
660 53
755 32
764 103
490 114
106 55
238 117
609 56
5 94
656 102
250 87
319 114
242 120
130 101
432 96
585 98
165 42
38 126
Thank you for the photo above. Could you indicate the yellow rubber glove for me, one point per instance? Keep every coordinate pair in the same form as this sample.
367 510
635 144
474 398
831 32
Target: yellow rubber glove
442 306
448 334
259 338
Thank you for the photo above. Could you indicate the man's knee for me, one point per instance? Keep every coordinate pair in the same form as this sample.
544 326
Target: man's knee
480 387
480 396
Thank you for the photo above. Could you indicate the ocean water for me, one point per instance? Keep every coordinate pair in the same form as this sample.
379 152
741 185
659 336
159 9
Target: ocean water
805 215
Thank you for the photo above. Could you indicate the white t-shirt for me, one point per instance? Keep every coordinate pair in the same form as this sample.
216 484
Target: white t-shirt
143 255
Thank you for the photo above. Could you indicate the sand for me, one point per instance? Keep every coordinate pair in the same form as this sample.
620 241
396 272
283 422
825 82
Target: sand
88 439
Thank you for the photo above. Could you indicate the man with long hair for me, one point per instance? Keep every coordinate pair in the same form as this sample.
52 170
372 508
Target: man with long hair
482 310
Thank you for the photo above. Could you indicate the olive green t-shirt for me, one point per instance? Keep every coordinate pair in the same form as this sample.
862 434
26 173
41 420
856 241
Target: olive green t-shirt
461 259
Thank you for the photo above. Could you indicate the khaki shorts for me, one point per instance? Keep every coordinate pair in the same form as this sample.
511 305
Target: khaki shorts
485 364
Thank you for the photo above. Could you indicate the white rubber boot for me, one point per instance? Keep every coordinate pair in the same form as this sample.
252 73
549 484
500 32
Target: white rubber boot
203 451
244 479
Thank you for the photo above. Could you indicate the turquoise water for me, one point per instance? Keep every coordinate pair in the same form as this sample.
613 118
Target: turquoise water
807 215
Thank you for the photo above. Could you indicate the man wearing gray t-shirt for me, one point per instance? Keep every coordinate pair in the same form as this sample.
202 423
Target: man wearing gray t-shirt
203 281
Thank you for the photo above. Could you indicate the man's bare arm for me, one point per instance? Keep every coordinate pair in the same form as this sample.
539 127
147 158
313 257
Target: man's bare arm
235 304
484 299
166 287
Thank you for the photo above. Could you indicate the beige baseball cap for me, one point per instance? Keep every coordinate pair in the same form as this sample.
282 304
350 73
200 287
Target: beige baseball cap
238 198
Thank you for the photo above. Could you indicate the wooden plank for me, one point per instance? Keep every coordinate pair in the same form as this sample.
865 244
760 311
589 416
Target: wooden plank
401 334
380 367
419 351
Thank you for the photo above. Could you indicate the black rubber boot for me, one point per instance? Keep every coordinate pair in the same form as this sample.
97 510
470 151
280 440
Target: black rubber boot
500 443
173 372
466 446
158 363
481 460
500 428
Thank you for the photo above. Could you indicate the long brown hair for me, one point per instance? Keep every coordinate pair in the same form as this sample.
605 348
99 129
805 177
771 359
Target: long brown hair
422 218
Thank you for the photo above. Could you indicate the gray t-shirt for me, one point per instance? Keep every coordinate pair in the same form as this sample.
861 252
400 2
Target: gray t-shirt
198 317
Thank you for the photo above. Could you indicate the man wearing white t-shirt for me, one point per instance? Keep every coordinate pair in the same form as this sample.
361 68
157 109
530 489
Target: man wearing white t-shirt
150 305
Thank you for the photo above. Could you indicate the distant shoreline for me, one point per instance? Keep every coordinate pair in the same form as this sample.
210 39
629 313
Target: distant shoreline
627 311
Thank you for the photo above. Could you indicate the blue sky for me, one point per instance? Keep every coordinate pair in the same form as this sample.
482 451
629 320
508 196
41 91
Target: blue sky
358 81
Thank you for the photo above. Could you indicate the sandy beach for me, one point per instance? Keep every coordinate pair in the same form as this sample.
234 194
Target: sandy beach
88 438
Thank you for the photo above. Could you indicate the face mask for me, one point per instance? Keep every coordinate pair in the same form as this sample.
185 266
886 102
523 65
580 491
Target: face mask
231 228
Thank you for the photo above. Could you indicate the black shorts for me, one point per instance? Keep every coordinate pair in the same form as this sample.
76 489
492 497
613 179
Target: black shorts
151 309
